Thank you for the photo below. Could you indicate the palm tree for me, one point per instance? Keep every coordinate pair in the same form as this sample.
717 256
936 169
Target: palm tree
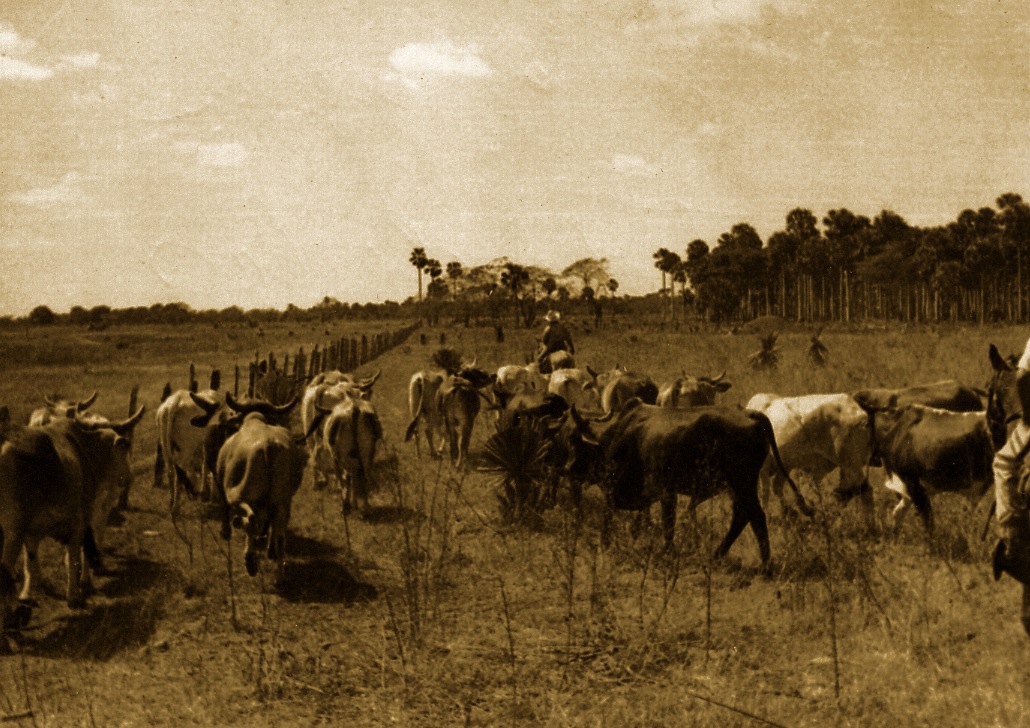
419 260
454 272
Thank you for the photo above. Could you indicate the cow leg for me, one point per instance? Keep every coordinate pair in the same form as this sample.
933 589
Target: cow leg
898 511
760 528
922 503
76 576
30 564
669 517
742 515
160 469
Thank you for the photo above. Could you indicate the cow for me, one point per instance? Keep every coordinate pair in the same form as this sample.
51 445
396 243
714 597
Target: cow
259 469
457 406
422 389
350 432
513 379
948 395
60 481
647 453
578 387
57 406
191 426
925 450
557 360
327 390
619 386
691 391
817 434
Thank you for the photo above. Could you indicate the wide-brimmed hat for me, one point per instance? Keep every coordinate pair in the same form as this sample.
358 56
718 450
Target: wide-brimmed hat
552 316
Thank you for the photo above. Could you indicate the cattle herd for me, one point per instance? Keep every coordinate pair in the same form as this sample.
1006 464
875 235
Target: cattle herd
63 474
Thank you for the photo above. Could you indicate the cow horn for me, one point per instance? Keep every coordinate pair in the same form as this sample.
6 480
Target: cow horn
369 381
472 364
86 403
718 378
125 427
206 404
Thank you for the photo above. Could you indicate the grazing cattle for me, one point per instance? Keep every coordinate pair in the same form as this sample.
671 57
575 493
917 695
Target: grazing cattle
57 407
948 395
260 468
350 433
689 391
619 386
578 387
191 427
59 481
327 390
646 454
925 450
817 434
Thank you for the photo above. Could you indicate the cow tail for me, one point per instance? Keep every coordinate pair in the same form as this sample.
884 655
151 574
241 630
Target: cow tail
770 436
410 432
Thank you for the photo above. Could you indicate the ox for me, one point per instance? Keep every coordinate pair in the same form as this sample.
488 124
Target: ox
926 450
619 386
457 405
191 427
578 387
259 469
57 407
513 380
422 391
689 391
350 433
59 481
557 360
327 390
647 453
817 434
948 395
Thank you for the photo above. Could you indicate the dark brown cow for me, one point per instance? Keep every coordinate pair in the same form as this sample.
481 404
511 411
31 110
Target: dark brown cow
926 450
646 454
59 481
948 395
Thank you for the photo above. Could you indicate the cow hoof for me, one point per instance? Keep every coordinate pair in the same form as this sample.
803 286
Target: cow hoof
251 562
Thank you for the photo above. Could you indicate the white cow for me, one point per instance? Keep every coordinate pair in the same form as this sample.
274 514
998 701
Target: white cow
578 387
817 434
327 390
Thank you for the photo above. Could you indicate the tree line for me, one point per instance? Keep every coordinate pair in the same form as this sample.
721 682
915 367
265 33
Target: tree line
971 269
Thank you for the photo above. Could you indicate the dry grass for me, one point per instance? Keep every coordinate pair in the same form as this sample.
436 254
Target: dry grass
433 611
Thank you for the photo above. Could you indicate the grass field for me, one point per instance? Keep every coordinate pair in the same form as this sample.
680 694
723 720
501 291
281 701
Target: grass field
431 612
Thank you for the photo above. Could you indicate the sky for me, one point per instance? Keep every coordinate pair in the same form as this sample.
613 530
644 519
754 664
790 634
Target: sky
265 152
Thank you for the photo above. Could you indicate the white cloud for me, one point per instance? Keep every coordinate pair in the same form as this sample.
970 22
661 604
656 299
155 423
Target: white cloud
229 154
67 191
15 69
417 61
12 43
635 165
78 61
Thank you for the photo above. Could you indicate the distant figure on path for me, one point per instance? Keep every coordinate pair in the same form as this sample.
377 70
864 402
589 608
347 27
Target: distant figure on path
556 337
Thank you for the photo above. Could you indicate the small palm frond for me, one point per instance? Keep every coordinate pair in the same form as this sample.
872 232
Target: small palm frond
515 458
448 359
817 352
768 356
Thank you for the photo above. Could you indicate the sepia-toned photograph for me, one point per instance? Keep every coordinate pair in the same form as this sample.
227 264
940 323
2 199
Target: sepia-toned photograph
631 363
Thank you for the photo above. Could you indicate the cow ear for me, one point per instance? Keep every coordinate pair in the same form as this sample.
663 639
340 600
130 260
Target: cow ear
591 372
722 386
998 362
892 403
